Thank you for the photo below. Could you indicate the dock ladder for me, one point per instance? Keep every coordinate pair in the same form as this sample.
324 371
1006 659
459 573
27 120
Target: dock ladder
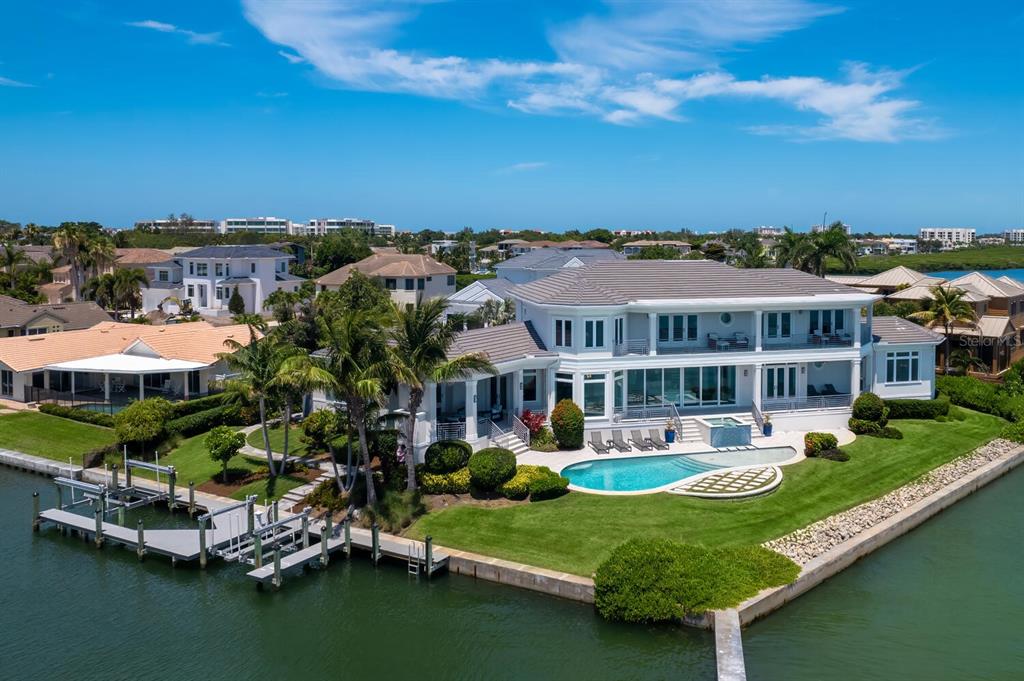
414 559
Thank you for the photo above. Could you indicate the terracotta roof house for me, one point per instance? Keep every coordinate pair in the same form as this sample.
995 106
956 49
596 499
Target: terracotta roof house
408 278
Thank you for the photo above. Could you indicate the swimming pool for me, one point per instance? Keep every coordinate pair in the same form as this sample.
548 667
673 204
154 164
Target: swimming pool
641 473
722 421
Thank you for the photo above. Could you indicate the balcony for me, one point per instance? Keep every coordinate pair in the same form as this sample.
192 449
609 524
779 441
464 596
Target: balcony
804 403
810 340
739 342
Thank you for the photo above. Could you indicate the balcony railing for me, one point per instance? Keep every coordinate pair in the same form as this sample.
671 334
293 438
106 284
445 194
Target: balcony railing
741 343
801 403
810 340
632 347
451 431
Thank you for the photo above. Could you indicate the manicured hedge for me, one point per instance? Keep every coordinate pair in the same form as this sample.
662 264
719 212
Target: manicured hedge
518 487
1013 432
970 392
490 467
548 487
187 407
658 580
456 482
862 427
448 456
75 414
567 424
918 409
202 421
818 442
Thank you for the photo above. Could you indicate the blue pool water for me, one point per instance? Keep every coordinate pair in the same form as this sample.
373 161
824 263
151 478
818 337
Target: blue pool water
639 473
722 421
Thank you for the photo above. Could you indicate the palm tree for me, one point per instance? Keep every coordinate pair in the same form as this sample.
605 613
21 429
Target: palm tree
100 254
356 354
12 257
127 291
752 253
257 364
496 312
101 290
965 361
71 243
792 248
833 242
298 376
947 309
421 341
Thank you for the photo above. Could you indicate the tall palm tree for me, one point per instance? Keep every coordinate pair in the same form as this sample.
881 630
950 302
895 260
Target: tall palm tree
751 252
356 354
100 254
256 364
127 287
833 242
12 257
298 376
421 342
947 309
71 243
791 251
101 290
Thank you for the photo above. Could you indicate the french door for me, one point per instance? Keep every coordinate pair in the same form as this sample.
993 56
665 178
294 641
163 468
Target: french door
779 382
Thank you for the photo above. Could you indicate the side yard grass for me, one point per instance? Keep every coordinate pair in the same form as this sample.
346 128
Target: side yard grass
51 437
295 444
578 531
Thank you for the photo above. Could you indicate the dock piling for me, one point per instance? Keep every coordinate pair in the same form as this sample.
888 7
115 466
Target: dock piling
120 515
171 478
277 569
99 524
257 550
191 497
113 477
35 511
202 544
305 531
324 555
250 511
127 473
60 498
347 526
140 543
429 555
375 548
277 512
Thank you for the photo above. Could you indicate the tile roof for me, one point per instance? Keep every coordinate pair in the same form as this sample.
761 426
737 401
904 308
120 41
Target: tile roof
987 326
235 252
481 290
897 331
388 265
503 343
657 242
142 256
899 276
556 258
984 284
193 342
73 316
621 282
917 293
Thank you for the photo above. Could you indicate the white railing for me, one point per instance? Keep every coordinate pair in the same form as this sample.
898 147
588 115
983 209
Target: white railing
662 410
758 417
497 432
520 430
637 346
797 403
451 431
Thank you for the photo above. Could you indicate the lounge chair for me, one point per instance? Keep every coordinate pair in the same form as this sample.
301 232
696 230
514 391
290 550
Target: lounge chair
713 341
597 442
618 443
655 439
637 438
812 391
740 340
829 390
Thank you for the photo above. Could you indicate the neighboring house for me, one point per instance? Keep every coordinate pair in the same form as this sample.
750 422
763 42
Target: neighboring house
634 247
406 277
18 318
114 363
211 274
468 300
888 281
545 262
634 342
60 290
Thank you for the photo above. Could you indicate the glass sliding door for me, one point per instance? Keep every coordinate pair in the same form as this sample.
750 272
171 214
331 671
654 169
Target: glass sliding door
709 385
727 386
635 388
670 387
620 391
653 390
593 394
691 386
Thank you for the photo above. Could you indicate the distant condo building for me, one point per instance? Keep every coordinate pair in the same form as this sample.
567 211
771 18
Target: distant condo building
822 228
768 231
324 226
260 225
1014 236
194 225
951 237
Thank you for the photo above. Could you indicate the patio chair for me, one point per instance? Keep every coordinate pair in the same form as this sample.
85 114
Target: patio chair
713 341
830 390
817 338
812 391
618 443
741 340
597 442
637 438
655 439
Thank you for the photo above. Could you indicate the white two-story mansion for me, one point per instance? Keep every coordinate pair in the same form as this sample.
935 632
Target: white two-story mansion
632 342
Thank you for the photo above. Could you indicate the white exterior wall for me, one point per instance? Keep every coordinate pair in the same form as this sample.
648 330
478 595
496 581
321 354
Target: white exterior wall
923 388
254 294
434 287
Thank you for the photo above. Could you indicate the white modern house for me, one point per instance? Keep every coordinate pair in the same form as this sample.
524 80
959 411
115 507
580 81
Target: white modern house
211 274
636 342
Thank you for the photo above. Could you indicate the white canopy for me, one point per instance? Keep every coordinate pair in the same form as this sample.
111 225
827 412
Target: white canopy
126 364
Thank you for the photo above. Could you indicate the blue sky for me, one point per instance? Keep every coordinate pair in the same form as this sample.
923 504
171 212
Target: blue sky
706 115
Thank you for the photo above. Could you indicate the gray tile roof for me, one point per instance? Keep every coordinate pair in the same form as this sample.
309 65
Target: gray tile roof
15 314
235 252
896 331
617 283
285 276
555 258
503 343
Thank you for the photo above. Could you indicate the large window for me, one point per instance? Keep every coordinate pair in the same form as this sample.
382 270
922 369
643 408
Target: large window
778 324
563 387
529 385
563 333
6 382
828 321
218 269
620 335
902 367
620 389
391 284
593 394
677 328
202 269
593 333
410 284
687 387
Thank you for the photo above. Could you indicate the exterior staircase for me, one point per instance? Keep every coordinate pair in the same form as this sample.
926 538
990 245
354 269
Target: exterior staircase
510 441
296 496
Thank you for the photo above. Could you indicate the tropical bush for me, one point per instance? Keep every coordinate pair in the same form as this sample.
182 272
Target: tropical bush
143 421
223 443
75 414
659 580
518 487
548 486
319 429
862 427
533 420
396 510
202 421
543 440
456 482
567 424
490 467
970 392
448 456
918 409
818 442
870 407
198 404
1013 432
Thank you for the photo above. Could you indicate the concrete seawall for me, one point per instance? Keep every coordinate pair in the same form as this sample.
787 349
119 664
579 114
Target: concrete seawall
550 582
37 464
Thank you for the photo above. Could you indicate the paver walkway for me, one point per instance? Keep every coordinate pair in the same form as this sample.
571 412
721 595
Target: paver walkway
734 483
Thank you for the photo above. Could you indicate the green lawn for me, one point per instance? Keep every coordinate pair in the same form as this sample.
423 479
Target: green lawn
192 463
979 258
51 437
295 444
577 532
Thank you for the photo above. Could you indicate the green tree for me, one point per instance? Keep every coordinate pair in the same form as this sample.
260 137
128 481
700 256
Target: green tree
420 347
236 305
101 290
282 304
750 252
833 242
359 292
792 249
13 256
714 250
297 377
127 287
947 309
142 422
71 242
964 360
496 313
656 253
337 250
223 443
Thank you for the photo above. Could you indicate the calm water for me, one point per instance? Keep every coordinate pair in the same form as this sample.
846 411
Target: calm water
1017 274
942 603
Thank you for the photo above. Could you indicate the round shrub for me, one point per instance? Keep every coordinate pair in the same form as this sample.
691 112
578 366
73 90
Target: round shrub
448 456
518 487
567 424
548 486
869 407
490 467
861 427
819 442
456 482
143 421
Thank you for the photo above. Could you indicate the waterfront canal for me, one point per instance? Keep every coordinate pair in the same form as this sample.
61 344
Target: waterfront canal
941 603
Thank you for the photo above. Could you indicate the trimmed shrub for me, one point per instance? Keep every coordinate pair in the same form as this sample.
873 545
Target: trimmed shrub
970 392
198 404
918 409
543 441
658 580
75 414
319 429
889 433
567 425
143 421
456 482
818 442
202 421
448 456
869 407
548 487
490 467
518 488
861 427
1013 432
834 455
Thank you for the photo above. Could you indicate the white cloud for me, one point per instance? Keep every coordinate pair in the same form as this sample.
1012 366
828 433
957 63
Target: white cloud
523 167
626 67
193 37
7 82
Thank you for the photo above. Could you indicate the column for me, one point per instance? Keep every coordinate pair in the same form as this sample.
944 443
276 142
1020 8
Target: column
854 378
142 386
471 410
609 395
106 386
72 386
549 384
429 410
871 316
516 398
758 374
652 333
184 377
46 379
758 325
855 313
